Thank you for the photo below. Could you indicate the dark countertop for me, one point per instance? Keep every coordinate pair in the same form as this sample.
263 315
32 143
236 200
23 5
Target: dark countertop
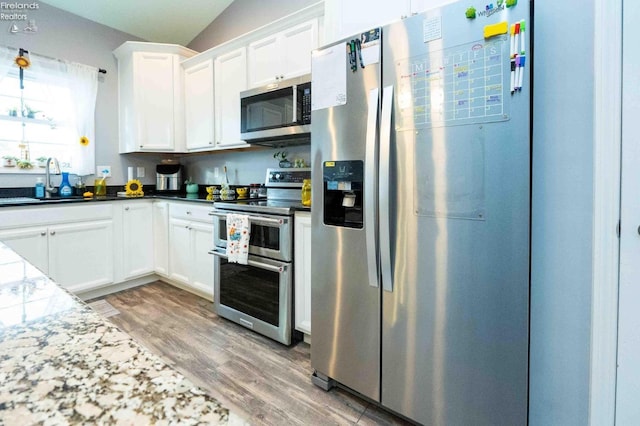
197 198
62 363
73 200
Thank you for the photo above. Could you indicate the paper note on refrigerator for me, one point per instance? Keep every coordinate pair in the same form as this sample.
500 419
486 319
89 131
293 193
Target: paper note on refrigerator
329 77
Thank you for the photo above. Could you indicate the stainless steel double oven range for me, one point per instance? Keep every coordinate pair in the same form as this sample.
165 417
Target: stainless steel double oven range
259 295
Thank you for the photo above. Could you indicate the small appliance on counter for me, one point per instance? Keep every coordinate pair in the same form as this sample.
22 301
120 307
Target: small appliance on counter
168 177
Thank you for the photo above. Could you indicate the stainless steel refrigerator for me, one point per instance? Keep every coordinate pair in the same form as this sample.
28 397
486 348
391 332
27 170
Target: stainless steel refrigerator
420 152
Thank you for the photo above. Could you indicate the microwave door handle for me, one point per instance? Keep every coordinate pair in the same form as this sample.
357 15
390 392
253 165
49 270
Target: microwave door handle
260 265
295 104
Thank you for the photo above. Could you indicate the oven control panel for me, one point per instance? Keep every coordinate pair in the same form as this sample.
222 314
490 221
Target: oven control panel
287 177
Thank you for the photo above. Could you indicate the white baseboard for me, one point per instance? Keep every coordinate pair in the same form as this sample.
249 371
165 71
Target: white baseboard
114 288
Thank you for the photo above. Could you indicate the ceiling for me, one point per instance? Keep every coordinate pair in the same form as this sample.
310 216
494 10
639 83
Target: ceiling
160 21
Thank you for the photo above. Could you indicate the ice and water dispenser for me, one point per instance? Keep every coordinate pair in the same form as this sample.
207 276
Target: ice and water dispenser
343 184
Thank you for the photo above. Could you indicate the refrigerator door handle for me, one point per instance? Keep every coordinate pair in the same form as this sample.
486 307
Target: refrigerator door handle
370 190
384 185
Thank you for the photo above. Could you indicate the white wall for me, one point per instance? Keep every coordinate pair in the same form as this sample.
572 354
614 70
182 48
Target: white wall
562 212
67 36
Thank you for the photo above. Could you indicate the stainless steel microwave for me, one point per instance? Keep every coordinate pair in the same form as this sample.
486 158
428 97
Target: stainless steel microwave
277 112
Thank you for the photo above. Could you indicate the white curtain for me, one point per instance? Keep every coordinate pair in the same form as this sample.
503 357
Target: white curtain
83 86
7 57
81 82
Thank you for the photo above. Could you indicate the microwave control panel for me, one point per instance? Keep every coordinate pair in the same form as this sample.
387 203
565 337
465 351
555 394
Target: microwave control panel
306 103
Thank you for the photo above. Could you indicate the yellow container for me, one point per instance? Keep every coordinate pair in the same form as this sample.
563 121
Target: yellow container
306 192
100 187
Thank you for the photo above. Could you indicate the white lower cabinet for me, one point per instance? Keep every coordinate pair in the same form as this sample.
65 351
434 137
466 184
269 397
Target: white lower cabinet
30 243
78 256
190 241
76 252
137 238
81 254
302 267
161 237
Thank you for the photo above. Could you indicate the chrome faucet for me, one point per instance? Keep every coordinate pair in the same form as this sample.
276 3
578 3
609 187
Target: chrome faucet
49 188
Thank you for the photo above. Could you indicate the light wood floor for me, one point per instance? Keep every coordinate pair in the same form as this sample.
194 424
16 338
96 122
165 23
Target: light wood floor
262 380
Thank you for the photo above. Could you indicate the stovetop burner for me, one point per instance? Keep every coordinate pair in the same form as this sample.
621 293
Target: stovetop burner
283 196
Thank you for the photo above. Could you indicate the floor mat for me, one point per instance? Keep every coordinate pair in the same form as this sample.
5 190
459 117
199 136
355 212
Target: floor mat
104 308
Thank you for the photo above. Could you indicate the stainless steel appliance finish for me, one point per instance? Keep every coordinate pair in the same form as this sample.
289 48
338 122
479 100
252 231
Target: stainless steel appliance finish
259 295
271 235
425 308
277 114
168 177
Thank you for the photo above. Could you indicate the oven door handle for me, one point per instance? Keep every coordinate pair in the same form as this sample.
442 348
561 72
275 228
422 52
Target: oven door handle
253 263
255 219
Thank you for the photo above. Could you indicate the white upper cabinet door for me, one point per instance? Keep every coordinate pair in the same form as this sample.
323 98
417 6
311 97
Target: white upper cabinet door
154 92
230 80
264 61
151 96
198 99
283 55
297 44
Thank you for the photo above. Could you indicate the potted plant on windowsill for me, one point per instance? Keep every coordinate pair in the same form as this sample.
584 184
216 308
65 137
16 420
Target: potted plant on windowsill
281 156
28 112
9 161
42 162
25 164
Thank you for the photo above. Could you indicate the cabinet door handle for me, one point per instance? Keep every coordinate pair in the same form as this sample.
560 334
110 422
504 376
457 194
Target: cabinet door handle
188 212
210 142
43 233
282 77
126 209
53 232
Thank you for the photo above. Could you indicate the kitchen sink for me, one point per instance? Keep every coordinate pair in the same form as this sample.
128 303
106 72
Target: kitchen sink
28 200
18 200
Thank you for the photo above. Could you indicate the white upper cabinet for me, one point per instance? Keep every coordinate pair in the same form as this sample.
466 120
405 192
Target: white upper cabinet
230 80
150 96
198 100
265 62
347 18
283 55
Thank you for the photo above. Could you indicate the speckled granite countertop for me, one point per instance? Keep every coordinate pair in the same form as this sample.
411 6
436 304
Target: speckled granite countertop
62 363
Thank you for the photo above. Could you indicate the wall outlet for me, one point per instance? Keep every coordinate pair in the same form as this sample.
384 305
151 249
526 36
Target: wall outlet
104 171
140 172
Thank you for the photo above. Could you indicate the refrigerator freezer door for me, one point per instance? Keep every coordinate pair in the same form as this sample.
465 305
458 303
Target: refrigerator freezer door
455 326
345 312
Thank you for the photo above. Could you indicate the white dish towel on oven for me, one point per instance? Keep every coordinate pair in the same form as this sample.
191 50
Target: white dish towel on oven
238 233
